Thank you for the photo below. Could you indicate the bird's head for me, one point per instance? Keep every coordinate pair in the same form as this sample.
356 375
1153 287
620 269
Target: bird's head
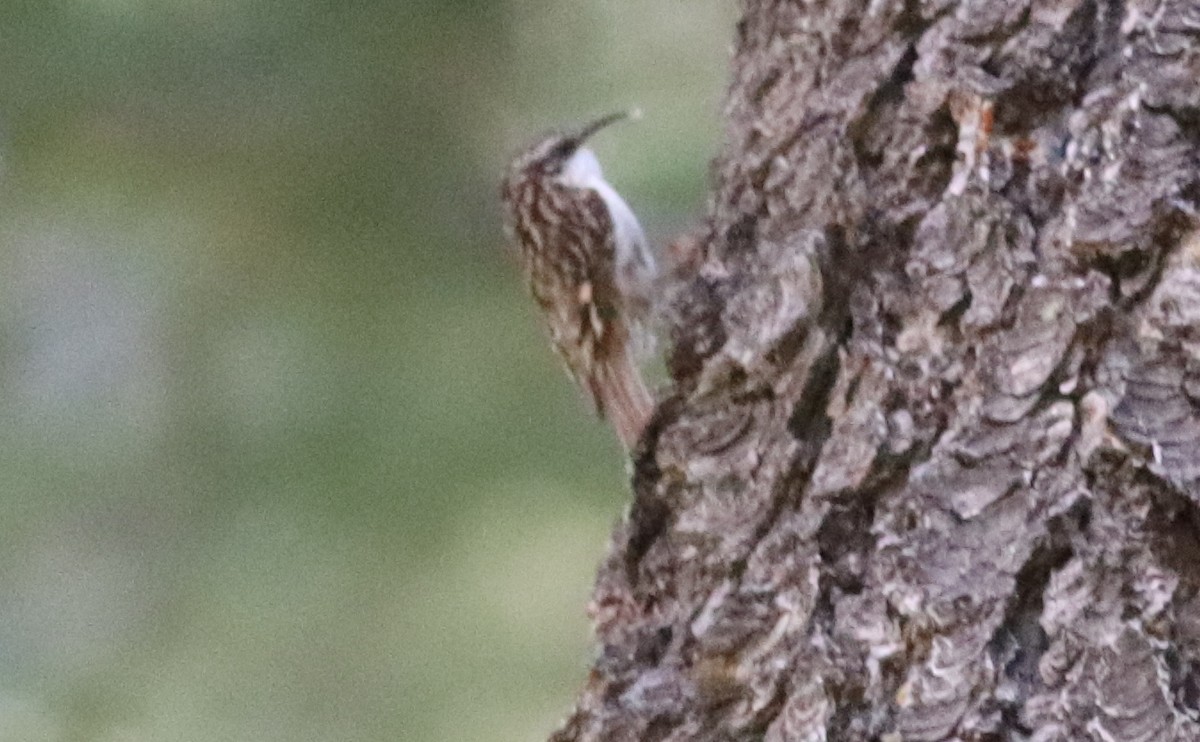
549 157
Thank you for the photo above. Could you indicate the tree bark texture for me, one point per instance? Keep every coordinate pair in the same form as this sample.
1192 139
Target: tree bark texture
929 465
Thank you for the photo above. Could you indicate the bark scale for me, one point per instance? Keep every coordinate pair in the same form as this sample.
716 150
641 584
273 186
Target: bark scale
929 467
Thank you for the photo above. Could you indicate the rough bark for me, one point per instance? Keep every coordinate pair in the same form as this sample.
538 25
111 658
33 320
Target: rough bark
929 467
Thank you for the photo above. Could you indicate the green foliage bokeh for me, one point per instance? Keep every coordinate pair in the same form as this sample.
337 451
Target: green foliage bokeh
284 453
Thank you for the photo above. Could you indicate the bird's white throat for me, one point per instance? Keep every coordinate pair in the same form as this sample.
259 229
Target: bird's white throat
582 170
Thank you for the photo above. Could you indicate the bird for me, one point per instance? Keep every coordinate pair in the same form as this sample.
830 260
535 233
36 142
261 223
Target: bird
589 268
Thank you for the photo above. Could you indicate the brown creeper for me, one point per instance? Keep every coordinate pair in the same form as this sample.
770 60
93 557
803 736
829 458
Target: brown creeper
588 268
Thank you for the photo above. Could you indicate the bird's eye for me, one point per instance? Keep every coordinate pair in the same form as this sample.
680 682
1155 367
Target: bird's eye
564 149
561 152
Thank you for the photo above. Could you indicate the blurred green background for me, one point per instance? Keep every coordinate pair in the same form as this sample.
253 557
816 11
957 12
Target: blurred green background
284 453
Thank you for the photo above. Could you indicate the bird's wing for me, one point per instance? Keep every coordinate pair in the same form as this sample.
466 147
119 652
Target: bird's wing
576 290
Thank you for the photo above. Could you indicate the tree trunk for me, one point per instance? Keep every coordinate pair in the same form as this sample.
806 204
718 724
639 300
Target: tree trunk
929 468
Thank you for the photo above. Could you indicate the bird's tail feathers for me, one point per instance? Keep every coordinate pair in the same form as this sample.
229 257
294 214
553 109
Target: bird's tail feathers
621 396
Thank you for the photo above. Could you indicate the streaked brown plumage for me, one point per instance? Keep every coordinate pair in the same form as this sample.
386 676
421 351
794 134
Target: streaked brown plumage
588 268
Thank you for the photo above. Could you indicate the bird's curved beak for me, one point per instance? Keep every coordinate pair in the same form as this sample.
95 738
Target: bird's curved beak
588 130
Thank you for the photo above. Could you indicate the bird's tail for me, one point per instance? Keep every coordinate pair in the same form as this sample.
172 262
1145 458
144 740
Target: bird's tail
621 395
